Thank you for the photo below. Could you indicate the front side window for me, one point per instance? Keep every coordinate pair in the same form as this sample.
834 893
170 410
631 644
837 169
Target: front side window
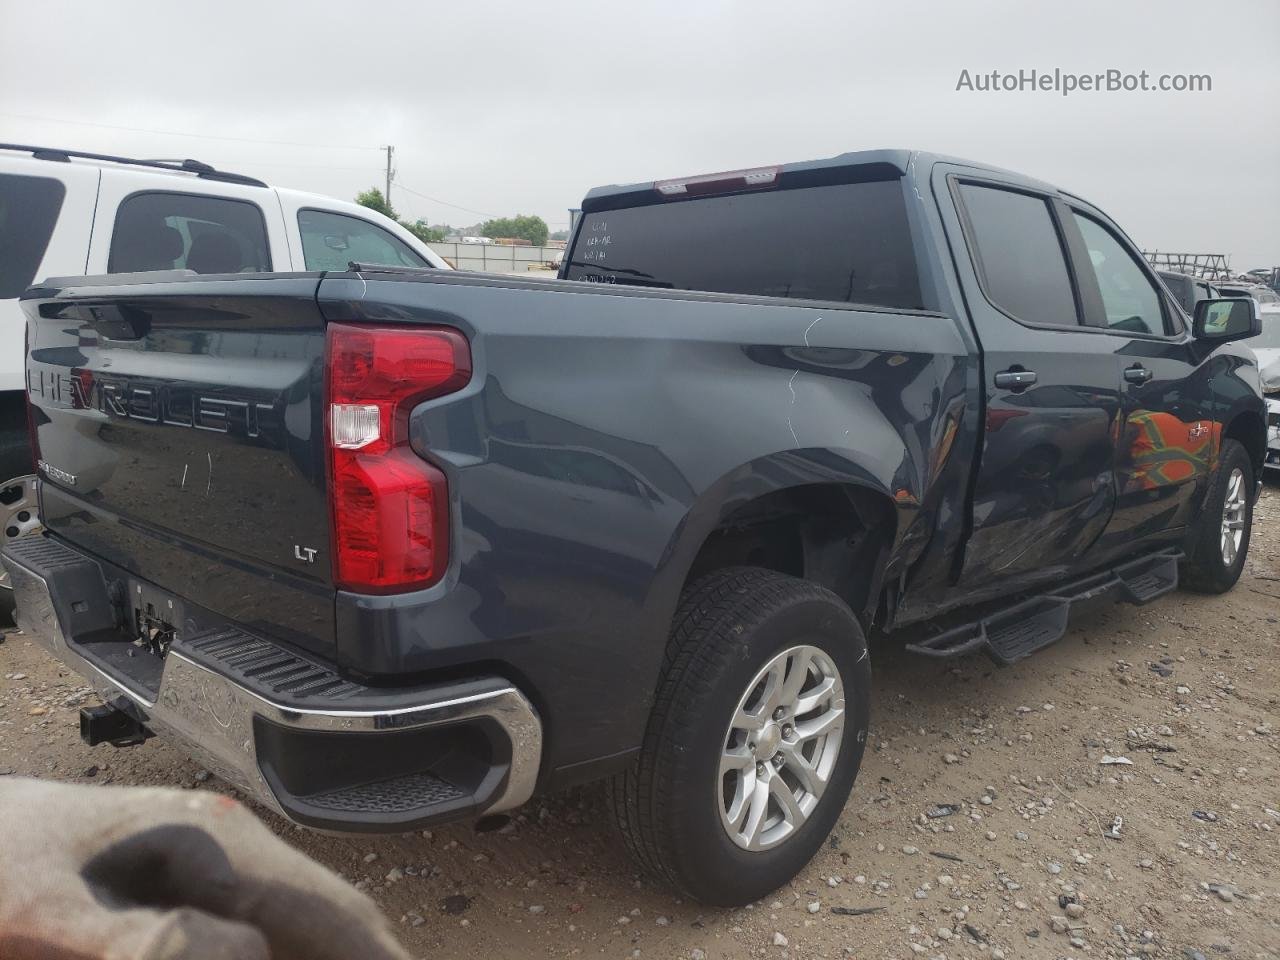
1129 298
330 241
186 231
1019 256
29 208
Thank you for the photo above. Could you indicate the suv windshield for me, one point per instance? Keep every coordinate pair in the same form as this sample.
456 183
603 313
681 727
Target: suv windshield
845 242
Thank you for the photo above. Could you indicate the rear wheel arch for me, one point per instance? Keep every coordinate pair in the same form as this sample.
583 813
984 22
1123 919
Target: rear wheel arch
837 534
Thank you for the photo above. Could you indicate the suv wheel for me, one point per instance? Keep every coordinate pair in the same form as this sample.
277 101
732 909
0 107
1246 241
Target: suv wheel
19 517
1221 536
755 738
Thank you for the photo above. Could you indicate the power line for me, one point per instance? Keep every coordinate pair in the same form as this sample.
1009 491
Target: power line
198 136
446 203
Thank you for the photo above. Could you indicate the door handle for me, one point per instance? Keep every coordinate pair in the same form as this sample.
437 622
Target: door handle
1138 374
1015 380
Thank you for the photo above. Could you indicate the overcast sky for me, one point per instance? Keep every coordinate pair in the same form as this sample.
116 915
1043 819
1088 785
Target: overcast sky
502 107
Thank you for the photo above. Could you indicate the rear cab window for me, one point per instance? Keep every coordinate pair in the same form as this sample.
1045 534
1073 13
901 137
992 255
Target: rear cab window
29 208
176 231
842 242
330 241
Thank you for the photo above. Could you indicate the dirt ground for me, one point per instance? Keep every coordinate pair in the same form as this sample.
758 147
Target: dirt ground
1187 689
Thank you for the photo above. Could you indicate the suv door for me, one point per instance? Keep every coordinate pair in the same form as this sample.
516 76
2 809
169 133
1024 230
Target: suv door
1169 436
149 221
1044 487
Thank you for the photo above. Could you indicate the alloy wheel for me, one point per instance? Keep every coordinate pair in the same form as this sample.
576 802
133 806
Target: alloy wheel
781 748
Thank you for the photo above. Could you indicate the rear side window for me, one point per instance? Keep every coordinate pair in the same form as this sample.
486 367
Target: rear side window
176 231
330 241
1130 299
29 209
1019 255
845 242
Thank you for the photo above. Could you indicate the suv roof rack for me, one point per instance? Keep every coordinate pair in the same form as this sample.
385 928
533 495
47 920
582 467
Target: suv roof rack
203 170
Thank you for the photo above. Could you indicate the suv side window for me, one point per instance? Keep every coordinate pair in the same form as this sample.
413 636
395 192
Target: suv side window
175 231
330 241
1019 255
29 208
1130 299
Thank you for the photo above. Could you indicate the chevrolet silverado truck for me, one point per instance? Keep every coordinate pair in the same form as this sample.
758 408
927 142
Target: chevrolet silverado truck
385 547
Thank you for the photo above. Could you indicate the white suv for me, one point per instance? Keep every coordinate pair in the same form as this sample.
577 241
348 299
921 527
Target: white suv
66 213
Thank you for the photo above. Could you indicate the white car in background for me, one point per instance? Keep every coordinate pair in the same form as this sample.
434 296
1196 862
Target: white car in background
1266 346
69 213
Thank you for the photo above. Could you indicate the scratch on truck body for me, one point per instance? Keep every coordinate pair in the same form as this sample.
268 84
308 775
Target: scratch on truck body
791 384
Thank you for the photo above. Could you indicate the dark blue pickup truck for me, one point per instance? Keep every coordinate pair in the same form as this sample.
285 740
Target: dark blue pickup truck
391 546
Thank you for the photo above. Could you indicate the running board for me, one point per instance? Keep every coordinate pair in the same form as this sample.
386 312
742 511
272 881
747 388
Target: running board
1030 625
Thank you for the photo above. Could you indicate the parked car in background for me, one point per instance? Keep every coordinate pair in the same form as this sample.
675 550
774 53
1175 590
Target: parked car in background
1266 347
1188 290
1266 298
392 546
66 212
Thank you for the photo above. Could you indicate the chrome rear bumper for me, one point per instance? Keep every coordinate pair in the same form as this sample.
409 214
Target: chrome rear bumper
224 724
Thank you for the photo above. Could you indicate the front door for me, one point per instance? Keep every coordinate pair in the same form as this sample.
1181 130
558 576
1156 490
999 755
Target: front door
1169 435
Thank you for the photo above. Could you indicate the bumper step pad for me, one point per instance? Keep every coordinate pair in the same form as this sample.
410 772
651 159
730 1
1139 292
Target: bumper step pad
1031 624
267 668
395 796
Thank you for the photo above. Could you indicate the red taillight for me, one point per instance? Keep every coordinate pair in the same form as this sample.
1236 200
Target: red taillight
390 507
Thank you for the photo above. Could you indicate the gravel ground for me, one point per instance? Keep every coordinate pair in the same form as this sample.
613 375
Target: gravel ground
1186 689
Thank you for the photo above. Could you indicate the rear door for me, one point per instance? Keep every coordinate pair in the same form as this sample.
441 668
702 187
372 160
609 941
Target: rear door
1169 434
150 221
1044 490
180 437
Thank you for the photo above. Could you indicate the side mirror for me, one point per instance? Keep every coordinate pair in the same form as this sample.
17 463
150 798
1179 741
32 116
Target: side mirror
1232 318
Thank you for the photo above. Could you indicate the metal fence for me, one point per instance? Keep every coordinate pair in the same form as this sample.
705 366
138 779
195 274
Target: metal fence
497 257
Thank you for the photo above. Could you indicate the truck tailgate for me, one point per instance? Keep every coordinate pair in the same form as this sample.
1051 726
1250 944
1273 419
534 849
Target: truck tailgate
180 437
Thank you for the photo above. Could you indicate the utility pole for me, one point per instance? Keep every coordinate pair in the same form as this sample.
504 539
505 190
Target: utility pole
387 196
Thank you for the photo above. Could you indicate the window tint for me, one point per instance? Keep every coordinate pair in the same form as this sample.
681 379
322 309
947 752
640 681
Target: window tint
1129 297
330 241
1019 255
847 242
29 209
175 231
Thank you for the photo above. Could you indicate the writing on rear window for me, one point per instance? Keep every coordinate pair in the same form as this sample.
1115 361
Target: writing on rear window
844 242
596 245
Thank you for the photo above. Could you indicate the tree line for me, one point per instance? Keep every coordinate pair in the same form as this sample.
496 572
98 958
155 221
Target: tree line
521 226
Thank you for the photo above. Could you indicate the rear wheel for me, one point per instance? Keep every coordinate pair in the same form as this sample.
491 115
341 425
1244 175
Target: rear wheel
755 738
1221 537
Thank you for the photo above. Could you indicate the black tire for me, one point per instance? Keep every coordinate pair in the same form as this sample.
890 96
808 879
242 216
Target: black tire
729 626
15 439
1206 570
15 454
